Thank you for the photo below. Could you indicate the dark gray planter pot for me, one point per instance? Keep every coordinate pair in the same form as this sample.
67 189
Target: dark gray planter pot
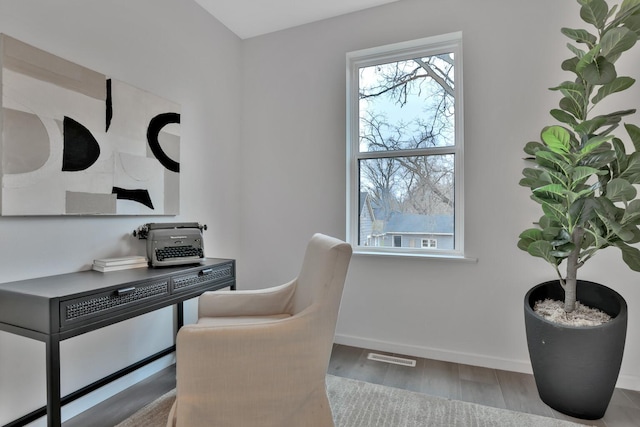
576 368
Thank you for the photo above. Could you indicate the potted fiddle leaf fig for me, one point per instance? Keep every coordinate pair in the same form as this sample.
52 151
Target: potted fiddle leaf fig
583 178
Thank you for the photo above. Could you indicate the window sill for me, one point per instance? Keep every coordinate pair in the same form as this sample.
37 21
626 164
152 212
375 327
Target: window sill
428 256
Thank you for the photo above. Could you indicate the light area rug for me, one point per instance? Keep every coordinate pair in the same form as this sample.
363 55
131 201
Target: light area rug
360 404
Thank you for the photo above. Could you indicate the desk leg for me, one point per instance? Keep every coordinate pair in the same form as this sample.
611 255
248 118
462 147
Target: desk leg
180 316
54 418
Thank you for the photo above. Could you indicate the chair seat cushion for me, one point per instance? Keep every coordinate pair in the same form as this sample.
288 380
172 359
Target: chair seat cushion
240 320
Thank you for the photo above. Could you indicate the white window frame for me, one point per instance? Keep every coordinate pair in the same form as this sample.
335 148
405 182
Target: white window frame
390 53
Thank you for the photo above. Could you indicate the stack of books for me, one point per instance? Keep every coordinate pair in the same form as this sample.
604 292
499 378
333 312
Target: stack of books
124 263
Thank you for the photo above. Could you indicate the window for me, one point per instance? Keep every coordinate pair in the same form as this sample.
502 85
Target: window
404 139
429 243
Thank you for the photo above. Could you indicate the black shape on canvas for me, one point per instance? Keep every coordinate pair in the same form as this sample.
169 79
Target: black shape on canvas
136 195
80 150
155 126
108 106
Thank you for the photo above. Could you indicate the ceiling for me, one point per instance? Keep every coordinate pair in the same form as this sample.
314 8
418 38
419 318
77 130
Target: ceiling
250 18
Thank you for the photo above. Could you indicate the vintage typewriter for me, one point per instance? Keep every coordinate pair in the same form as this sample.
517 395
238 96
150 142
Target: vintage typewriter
172 243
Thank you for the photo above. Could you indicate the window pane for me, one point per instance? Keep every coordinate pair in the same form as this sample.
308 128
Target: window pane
408 200
407 104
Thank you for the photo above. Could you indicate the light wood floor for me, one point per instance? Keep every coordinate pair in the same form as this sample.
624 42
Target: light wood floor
489 387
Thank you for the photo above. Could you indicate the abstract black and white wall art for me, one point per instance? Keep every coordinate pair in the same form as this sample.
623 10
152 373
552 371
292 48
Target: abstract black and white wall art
75 142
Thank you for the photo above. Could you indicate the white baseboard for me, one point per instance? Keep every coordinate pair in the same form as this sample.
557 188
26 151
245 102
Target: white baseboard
524 366
630 382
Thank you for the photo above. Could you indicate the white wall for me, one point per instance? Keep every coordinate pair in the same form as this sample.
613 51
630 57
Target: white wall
170 48
283 96
293 180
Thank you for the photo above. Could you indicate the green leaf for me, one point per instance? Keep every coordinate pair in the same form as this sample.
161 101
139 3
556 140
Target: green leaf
532 234
549 159
529 183
557 139
587 58
634 134
598 159
628 10
531 173
570 64
599 72
630 255
594 12
546 222
636 234
555 211
575 94
562 252
633 23
619 190
593 144
554 192
569 105
627 7
553 177
549 234
587 192
562 237
582 172
616 227
631 213
615 117
579 53
564 117
594 239
581 36
632 171
532 182
616 41
582 211
572 90
618 85
621 155
589 127
542 249
531 148
612 11
529 236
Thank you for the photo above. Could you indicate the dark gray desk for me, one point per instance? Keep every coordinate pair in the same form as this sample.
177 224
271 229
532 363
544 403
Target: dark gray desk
55 308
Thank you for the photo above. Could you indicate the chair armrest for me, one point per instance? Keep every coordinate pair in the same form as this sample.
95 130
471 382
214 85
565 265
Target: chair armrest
259 302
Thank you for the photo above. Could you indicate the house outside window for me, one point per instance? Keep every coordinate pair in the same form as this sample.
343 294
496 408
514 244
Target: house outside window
405 148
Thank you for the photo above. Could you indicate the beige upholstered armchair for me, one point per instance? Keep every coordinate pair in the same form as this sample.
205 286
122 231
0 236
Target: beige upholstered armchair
259 358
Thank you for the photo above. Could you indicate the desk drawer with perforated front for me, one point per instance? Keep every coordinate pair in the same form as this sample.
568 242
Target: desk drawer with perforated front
187 282
103 303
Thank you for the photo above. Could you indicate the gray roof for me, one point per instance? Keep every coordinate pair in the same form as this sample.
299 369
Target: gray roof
415 223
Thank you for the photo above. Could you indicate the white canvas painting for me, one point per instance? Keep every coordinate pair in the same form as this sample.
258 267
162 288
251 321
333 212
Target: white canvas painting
75 142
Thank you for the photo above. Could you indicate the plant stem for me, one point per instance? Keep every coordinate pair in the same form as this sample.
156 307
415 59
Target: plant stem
572 270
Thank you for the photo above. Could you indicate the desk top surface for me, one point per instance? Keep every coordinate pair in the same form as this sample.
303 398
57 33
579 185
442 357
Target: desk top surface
85 281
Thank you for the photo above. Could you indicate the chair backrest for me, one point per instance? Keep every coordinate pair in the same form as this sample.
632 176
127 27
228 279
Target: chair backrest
322 276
